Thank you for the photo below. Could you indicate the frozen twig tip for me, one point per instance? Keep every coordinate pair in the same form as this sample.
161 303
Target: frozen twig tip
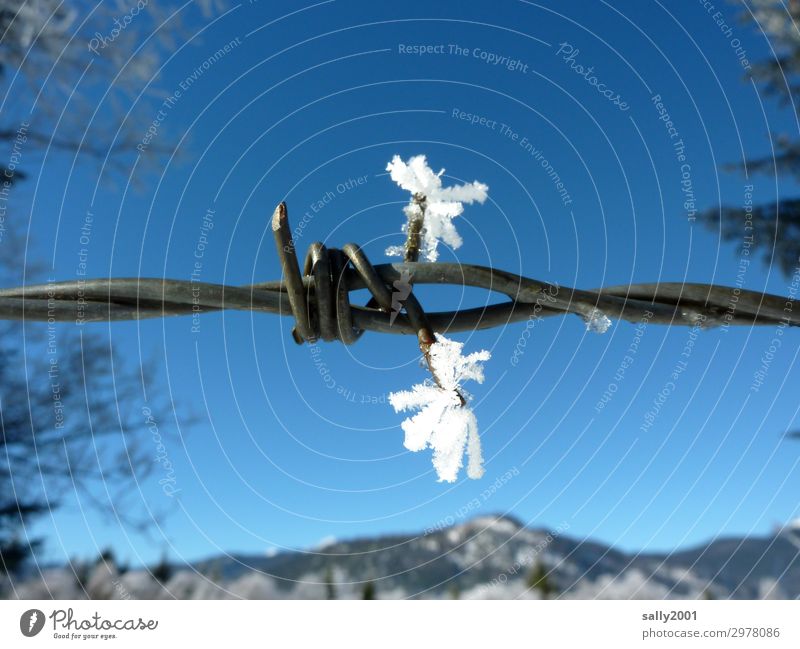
444 422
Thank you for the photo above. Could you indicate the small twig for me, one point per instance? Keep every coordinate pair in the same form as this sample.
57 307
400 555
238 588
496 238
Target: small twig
416 222
425 335
426 341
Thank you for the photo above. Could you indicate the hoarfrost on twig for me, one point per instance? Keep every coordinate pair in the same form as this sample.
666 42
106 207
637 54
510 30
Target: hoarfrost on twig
597 321
444 422
441 204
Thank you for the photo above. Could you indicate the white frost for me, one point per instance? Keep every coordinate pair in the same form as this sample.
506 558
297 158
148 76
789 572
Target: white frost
443 422
442 204
597 321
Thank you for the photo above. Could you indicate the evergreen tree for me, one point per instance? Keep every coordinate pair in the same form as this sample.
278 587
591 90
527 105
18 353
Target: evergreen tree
539 580
163 570
215 572
771 227
330 587
107 556
80 570
369 591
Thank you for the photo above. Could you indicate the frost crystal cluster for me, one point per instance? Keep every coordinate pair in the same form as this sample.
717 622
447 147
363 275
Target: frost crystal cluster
438 205
444 422
597 321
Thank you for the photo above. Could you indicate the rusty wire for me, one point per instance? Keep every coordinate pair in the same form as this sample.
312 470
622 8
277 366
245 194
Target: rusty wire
318 297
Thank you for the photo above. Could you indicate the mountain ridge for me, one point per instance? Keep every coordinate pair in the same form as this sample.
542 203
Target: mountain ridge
722 562
486 557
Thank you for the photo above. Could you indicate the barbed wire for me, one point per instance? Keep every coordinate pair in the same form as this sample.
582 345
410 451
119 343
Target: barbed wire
319 297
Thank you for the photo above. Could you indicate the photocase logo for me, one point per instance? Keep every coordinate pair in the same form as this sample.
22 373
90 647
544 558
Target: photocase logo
402 289
31 622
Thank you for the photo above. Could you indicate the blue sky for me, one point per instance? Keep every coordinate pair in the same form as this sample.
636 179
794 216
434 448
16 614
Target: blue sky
310 99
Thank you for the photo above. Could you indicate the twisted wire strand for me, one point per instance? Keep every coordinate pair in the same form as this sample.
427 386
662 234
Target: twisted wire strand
318 297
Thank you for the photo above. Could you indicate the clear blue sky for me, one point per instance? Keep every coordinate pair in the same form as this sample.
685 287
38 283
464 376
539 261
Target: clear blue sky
312 98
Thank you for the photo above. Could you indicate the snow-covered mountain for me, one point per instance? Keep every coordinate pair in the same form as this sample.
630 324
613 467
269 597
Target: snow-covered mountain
490 557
